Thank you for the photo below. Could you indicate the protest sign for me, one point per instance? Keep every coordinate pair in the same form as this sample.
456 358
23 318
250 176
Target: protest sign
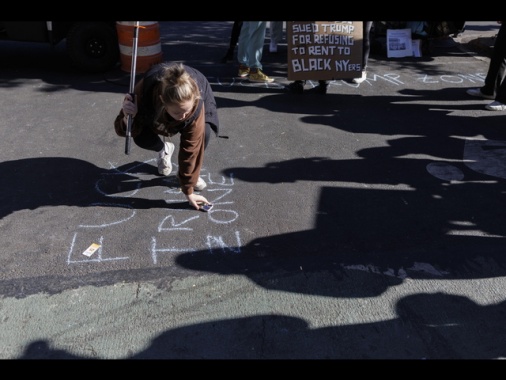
324 50
399 43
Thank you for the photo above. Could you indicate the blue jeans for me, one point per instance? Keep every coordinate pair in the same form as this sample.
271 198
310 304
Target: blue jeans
251 43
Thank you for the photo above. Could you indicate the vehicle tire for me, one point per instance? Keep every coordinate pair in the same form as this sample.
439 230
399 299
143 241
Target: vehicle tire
93 46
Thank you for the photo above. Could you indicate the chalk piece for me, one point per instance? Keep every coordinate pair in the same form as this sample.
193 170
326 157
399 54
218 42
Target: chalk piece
91 249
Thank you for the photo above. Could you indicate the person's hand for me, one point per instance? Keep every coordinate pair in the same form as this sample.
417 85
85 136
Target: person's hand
129 107
194 199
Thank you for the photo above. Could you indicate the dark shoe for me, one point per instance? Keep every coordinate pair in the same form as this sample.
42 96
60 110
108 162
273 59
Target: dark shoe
477 92
321 89
296 87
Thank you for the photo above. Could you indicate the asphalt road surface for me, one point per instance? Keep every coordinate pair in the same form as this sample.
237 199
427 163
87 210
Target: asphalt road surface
367 223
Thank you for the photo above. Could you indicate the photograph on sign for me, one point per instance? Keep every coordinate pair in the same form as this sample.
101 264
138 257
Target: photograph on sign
399 43
324 50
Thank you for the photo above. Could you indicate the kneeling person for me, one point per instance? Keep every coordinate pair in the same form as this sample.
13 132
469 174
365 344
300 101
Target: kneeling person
173 98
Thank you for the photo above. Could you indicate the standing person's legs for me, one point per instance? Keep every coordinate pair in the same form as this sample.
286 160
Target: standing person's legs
497 66
256 43
499 104
242 51
367 44
366 48
254 49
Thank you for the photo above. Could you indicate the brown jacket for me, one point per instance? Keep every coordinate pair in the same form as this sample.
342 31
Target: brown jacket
192 130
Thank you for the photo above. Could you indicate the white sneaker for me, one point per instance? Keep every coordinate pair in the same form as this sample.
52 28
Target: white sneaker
164 159
360 79
477 92
496 106
273 47
201 185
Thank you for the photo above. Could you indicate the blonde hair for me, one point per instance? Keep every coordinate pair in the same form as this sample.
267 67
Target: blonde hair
177 86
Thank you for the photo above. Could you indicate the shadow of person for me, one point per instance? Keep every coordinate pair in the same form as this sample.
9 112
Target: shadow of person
40 350
427 326
475 331
53 181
